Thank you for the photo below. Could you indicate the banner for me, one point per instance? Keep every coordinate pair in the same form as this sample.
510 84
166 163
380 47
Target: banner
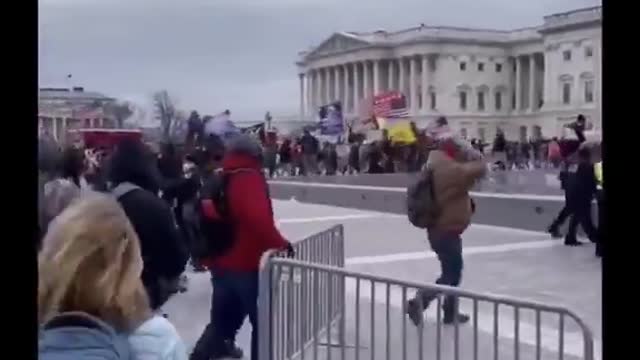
331 119
398 129
221 125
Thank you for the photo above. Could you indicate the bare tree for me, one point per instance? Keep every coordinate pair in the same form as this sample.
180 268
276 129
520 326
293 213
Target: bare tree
165 112
120 111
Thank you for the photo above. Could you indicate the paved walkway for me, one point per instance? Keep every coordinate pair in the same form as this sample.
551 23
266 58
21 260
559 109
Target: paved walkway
519 263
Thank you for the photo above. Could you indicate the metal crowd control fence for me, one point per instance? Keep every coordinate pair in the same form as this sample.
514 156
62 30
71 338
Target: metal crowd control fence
294 300
296 330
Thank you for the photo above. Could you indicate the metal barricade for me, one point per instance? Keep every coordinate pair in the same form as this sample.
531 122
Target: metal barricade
295 330
496 329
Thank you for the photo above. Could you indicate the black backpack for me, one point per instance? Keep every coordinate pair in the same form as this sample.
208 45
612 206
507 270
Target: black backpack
211 229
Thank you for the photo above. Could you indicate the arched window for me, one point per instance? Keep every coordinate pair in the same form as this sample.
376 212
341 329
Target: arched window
463 94
432 97
498 94
587 81
566 83
481 93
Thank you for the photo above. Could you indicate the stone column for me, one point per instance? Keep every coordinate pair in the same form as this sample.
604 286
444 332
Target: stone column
356 88
376 77
412 85
301 76
54 126
597 83
327 87
425 83
390 74
336 83
318 93
402 85
345 90
518 87
367 79
533 106
309 91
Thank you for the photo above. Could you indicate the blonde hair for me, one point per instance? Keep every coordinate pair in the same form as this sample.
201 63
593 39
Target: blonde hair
90 262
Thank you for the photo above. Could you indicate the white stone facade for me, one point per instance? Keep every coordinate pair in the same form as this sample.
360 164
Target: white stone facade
58 111
527 82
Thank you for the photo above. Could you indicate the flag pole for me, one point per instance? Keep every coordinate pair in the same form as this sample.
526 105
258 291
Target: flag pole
68 80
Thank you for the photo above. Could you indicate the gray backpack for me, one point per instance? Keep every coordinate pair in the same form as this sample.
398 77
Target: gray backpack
422 207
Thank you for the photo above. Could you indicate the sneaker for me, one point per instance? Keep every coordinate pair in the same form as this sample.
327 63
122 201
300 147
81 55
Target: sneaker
460 319
414 311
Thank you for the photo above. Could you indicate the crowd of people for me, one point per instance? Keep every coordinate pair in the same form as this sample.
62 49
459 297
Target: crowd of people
117 234
119 226
307 155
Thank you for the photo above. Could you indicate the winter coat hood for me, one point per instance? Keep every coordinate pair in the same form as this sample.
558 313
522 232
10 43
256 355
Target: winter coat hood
157 339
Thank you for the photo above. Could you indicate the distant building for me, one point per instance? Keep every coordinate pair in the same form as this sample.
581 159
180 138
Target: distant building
527 81
63 109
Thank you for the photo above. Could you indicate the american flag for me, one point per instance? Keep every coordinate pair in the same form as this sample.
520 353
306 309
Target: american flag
392 104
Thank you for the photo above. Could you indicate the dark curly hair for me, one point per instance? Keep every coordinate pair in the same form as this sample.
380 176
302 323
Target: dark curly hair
133 162
72 164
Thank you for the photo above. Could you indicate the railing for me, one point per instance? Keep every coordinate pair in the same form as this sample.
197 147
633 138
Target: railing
297 328
376 321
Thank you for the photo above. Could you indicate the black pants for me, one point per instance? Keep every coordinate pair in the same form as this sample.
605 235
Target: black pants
599 243
563 215
581 215
235 296
448 248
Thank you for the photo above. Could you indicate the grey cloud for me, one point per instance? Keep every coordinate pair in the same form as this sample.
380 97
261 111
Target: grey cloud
217 54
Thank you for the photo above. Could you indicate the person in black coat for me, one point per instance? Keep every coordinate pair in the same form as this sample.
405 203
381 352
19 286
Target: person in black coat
567 150
582 186
163 250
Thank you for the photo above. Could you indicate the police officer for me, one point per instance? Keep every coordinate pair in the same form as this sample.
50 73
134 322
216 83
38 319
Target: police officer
581 189
578 128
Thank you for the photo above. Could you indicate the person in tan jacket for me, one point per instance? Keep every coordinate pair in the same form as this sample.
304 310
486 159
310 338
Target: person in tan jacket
454 174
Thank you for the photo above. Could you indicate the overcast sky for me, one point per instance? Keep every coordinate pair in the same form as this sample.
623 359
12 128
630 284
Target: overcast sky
237 54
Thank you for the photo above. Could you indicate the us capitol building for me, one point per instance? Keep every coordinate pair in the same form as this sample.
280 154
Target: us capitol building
528 82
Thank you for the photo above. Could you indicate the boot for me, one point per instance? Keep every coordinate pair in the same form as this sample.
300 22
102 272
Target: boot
555 233
228 350
451 314
459 318
414 310
571 241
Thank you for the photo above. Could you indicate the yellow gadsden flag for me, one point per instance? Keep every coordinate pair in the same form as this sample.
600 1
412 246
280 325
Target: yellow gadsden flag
399 130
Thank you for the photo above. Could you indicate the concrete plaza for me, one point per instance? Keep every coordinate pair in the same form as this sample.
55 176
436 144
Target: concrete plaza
518 263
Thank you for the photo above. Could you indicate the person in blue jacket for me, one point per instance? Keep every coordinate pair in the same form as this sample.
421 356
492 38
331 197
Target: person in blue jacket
92 304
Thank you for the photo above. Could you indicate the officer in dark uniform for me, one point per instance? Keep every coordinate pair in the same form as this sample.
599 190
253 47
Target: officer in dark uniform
581 189
578 128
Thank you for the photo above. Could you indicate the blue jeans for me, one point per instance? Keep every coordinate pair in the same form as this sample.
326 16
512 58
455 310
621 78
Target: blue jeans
235 296
448 248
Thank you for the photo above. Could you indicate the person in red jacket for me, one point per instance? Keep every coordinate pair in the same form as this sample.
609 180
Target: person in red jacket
234 275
